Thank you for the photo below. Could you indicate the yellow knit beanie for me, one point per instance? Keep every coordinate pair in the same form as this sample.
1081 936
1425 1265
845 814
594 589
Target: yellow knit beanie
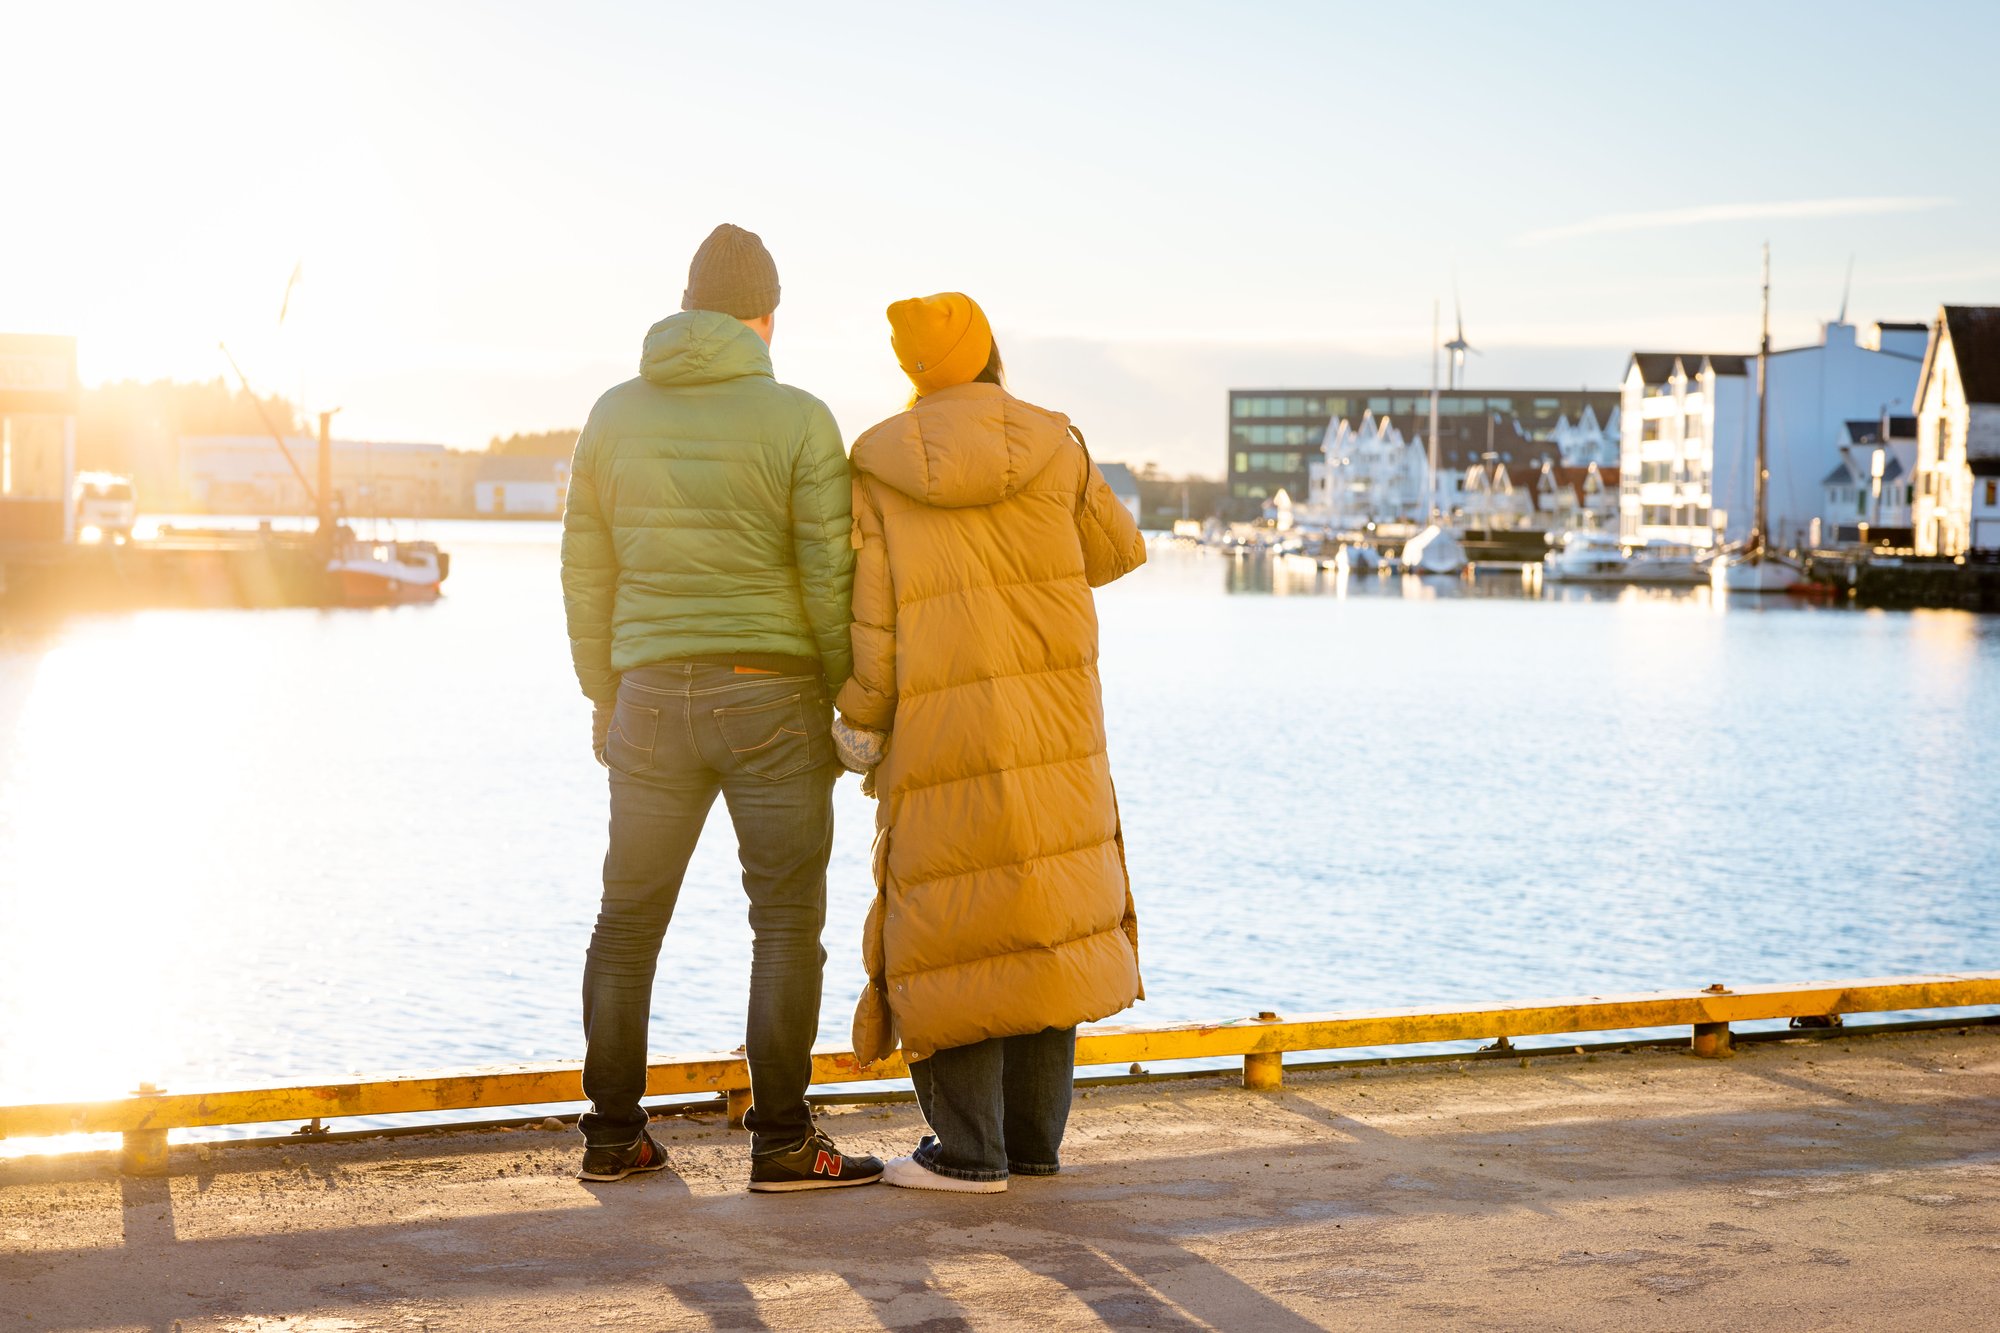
940 340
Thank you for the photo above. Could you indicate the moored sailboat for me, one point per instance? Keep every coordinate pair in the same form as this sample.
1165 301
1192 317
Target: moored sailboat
1754 567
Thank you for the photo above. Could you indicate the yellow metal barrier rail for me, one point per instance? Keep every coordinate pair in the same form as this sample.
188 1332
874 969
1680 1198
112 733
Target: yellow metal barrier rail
144 1119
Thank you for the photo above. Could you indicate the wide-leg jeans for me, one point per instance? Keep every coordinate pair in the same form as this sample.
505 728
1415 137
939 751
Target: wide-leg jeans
997 1107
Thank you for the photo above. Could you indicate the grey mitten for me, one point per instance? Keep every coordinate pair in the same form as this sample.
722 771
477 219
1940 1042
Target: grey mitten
859 749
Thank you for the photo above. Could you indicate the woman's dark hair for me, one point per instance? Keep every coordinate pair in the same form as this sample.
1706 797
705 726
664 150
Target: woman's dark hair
994 372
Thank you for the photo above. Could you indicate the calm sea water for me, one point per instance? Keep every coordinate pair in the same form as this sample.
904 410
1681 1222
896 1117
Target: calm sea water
246 846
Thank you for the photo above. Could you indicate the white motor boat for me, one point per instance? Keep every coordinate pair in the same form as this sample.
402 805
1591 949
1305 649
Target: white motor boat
1668 565
1433 551
1596 557
1585 557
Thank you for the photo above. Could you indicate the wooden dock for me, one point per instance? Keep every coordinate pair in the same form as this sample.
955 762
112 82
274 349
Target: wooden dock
1902 581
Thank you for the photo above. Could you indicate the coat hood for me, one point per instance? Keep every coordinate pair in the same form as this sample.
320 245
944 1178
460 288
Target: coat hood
702 347
971 444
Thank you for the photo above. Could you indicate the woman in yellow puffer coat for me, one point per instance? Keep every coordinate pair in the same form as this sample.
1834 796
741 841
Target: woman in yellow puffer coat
1003 914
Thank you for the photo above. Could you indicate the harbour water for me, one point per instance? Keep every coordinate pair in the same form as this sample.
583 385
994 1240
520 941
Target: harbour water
251 846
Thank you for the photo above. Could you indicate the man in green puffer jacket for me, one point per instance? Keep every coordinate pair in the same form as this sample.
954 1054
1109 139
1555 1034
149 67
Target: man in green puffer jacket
706 569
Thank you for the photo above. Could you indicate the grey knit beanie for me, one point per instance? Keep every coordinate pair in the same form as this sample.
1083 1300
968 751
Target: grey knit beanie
732 274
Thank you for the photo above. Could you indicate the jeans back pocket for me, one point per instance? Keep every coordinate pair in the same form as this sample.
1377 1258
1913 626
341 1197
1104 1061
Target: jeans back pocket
635 729
770 740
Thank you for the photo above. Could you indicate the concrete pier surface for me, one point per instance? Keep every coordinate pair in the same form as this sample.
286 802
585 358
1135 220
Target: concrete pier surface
1843 1183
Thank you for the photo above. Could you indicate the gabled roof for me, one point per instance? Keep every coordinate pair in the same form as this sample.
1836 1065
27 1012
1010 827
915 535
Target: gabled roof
1975 345
1120 479
1658 367
1845 473
1974 331
1870 432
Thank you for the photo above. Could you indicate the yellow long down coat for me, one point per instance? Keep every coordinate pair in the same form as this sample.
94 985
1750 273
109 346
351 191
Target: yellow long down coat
1002 903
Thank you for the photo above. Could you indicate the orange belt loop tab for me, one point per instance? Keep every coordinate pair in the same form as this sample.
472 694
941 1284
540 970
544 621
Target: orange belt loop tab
753 671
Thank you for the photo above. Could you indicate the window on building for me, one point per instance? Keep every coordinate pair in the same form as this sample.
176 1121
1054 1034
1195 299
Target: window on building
1379 406
1650 429
1501 405
1242 464
1336 407
1992 492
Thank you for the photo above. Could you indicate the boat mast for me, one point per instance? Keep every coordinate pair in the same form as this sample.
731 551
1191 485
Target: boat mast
1431 514
1755 545
271 427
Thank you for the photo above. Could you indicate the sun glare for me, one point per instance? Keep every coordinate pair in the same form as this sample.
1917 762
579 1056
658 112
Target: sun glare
113 832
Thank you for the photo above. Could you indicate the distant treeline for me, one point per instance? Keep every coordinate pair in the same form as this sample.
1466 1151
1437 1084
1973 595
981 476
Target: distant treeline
1161 496
535 444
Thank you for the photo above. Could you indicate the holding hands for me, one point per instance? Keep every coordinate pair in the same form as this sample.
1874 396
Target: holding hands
859 750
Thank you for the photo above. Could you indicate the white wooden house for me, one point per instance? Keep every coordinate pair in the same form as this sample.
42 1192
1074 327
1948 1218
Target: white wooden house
1955 508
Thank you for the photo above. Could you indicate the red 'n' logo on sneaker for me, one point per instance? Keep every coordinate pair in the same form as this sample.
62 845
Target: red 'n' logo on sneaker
826 1164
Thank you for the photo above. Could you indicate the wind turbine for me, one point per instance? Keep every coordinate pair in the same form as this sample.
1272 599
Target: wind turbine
1458 346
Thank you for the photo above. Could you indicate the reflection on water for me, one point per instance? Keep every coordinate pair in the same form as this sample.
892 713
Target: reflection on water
1291 576
252 845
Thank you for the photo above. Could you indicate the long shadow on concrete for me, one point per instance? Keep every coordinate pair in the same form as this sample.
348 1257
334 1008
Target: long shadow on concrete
1123 1237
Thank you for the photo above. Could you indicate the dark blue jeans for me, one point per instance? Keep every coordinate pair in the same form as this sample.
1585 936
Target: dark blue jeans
681 734
997 1106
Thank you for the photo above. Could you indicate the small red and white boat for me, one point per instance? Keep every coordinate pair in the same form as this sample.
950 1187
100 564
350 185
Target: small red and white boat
372 573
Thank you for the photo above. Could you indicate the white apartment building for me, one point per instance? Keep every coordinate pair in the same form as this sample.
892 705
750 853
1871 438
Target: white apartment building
1689 441
1956 505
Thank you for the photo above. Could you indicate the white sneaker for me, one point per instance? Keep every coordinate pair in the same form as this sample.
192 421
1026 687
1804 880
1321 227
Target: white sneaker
911 1174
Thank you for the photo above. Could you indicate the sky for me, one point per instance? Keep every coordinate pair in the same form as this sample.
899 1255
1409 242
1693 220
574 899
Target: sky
489 204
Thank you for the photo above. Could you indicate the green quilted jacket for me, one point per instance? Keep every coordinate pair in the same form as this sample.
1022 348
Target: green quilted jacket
708 513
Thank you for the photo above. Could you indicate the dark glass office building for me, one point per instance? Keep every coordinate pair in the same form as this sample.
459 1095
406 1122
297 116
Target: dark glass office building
1274 433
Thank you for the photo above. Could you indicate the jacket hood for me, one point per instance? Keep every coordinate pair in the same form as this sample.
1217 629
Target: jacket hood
971 444
702 347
